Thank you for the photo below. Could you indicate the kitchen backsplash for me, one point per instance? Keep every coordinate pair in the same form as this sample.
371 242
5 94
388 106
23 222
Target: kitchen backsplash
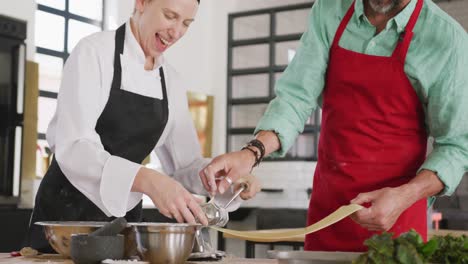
286 184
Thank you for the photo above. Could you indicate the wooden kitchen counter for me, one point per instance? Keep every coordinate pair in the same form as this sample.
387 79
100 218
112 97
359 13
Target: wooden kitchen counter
56 259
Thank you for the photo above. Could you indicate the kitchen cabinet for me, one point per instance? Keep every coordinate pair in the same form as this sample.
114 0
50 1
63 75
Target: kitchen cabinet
261 43
14 225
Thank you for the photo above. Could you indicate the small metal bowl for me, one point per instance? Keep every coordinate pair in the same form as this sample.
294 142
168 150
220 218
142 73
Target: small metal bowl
163 242
59 233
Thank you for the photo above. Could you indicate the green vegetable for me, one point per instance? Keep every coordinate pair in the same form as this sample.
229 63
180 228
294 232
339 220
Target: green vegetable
409 248
429 248
451 249
406 252
382 244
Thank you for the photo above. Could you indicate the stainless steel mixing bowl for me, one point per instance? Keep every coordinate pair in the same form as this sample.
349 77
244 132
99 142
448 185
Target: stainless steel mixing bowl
153 242
163 242
59 233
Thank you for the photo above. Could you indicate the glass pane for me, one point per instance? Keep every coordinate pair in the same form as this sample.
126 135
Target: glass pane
45 113
251 56
50 72
304 147
78 30
57 4
238 141
285 51
251 27
255 85
292 22
50 31
247 115
89 8
43 157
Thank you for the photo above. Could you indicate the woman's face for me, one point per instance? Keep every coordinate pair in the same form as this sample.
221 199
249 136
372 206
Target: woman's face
158 24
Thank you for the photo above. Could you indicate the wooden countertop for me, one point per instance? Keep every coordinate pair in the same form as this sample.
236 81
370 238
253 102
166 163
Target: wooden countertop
56 259
443 232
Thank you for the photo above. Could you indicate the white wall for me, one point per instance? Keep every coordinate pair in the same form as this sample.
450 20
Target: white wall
24 10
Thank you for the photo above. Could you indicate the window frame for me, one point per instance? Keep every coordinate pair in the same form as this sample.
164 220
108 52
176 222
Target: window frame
272 69
67 15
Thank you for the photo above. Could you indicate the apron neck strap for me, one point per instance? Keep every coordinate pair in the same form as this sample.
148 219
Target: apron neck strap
406 36
119 48
343 25
163 83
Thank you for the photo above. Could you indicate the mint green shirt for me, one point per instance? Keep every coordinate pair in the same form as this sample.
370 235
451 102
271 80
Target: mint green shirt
436 65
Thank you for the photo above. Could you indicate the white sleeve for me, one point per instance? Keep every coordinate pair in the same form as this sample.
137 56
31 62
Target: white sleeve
180 155
104 179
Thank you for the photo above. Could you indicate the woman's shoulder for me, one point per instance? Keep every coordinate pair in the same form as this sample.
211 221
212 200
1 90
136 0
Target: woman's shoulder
99 43
172 74
169 69
176 84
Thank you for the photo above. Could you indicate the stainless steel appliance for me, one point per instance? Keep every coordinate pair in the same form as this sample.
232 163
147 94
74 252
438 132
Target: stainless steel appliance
12 79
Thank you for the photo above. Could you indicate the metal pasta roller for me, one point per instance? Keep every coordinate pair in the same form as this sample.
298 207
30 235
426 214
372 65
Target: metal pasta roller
217 215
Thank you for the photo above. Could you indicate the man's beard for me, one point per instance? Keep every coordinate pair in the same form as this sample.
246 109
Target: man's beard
380 7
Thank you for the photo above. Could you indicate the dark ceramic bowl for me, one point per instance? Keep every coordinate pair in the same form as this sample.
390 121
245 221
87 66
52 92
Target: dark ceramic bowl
85 249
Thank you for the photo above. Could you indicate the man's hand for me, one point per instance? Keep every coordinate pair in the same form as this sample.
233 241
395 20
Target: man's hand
254 186
230 165
387 204
235 164
169 196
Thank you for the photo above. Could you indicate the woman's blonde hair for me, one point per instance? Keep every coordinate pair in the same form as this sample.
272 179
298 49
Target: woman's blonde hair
134 9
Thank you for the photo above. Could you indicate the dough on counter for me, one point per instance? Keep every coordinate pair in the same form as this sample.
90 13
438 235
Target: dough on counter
28 252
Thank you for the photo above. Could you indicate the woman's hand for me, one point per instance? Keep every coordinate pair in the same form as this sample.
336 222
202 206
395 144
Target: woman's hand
169 196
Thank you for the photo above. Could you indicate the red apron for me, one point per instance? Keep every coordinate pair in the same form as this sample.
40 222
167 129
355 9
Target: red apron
372 136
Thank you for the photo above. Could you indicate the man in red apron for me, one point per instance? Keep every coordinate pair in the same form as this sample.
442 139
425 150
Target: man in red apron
372 145
362 160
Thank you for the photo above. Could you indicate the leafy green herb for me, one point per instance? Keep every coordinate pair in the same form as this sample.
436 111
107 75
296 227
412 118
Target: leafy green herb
409 248
382 244
406 252
450 249
428 249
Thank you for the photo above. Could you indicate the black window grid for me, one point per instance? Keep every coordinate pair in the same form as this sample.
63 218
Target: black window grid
272 69
67 15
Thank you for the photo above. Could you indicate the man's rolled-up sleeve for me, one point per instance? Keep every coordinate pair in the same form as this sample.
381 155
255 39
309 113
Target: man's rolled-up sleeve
447 116
299 87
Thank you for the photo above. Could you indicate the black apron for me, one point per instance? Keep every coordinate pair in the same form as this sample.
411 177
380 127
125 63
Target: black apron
129 127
